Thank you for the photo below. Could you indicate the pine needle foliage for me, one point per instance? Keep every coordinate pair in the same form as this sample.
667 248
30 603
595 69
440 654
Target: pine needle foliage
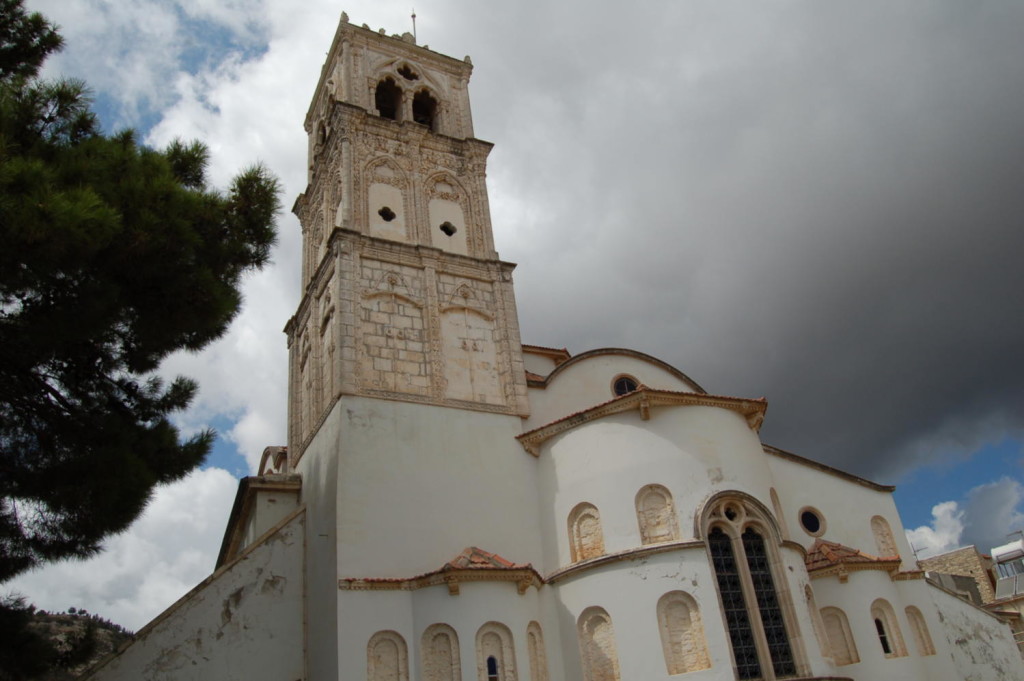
112 256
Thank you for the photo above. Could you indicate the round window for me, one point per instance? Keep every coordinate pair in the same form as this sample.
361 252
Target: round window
624 384
812 522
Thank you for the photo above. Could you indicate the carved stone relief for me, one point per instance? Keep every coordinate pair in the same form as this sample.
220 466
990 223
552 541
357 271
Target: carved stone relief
682 633
597 646
393 354
387 657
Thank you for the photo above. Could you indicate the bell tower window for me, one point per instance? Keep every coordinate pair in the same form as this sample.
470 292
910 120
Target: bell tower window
424 109
388 99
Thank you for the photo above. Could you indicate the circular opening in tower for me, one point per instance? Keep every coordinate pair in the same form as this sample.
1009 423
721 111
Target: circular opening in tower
386 214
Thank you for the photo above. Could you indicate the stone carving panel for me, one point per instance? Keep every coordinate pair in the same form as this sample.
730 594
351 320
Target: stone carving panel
538 654
682 633
387 657
656 515
597 646
440 646
840 639
393 353
585 534
884 540
469 344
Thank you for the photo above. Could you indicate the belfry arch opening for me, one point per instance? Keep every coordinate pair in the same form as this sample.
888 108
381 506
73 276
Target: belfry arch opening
388 99
424 109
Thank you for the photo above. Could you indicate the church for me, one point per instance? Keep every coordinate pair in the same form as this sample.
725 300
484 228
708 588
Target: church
453 504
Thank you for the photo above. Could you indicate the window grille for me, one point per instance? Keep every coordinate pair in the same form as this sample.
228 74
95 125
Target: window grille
768 604
731 591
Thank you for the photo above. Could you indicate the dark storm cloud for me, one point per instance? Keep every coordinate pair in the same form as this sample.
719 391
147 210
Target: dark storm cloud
817 203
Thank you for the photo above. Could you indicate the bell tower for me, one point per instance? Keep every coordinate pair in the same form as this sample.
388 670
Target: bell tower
404 297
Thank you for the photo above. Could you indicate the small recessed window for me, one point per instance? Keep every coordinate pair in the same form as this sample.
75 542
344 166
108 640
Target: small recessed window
812 522
386 214
624 385
448 228
407 73
492 669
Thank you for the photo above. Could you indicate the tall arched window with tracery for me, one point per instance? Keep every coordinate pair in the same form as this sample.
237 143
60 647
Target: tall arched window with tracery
586 539
682 633
755 600
888 629
922 638
656 515
597 645
884 539
387 657
439 649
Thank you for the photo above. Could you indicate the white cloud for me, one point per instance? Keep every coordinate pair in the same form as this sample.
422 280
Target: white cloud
942 535
169 549
989 513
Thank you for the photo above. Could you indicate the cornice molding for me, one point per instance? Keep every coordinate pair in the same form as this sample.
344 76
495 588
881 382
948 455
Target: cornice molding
642 399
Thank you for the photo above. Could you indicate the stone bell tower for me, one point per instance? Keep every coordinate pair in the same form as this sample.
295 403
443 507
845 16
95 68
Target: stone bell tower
404 297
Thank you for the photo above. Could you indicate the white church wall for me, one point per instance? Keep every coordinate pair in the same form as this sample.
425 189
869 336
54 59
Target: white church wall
629 591
588 382
411 613
319 469
845 506
981 646
244 622
542 365
692 451
977 630
419 483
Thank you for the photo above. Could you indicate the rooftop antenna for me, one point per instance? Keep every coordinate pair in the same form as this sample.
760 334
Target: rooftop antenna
414 24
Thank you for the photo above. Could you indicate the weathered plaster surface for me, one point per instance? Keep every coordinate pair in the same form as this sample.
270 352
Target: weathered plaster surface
243 623
981 646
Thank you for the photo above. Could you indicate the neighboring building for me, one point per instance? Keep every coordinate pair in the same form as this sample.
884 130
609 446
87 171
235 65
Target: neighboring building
1009 596
964 571
453 504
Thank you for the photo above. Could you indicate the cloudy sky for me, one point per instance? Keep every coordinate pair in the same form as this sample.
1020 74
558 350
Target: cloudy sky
816 202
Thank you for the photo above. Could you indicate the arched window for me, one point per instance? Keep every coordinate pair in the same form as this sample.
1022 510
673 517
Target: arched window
388 99
586 540
597 646
922 639
888 629
440 651
656 515
495 654
538 654
424 109
682 633
758 615
884 540
387 657
840 638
